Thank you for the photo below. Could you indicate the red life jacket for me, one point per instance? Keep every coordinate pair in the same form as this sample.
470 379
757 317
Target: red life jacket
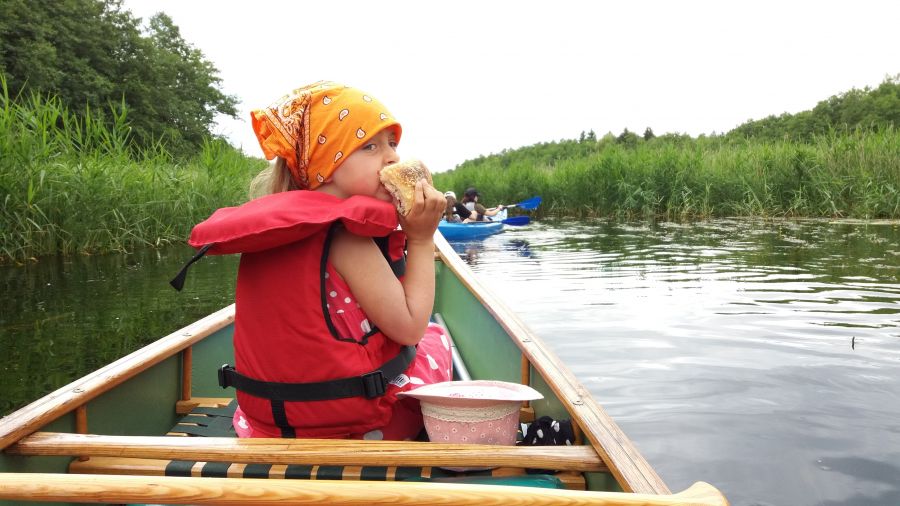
282 331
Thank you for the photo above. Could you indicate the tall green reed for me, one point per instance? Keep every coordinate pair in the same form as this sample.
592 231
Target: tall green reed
842 174
75 183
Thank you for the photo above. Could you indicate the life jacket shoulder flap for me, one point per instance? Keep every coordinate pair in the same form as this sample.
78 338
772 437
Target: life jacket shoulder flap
283 218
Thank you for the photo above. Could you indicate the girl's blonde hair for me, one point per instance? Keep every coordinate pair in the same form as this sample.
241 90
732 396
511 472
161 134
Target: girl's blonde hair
275 178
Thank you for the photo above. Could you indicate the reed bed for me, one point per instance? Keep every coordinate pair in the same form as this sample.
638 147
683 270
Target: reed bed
75 183
849 175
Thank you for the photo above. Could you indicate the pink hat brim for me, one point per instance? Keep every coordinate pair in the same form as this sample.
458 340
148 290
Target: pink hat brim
473 393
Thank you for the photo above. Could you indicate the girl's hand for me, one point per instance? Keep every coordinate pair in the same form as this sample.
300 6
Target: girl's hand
423 218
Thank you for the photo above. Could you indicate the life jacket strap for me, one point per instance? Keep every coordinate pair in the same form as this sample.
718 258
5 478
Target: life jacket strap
370 385
178 281
398 266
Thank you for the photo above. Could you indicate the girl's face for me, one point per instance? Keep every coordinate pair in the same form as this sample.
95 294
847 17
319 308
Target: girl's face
359 174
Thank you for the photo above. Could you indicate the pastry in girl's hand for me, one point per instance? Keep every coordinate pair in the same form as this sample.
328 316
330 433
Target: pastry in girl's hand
400 179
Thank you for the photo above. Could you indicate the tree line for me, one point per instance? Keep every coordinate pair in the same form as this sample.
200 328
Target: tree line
98 60
868 109
865 110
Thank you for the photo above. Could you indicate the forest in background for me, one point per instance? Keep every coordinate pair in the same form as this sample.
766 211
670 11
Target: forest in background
106 139
92 55
106 144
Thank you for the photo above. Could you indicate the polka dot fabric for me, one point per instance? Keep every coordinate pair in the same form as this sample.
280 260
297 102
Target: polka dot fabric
431 365
346 314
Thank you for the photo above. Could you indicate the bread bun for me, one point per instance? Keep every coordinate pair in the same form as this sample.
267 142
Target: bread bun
400 179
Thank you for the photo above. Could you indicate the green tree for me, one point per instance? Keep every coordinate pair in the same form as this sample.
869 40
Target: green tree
171 89
91 53
627 138
70 48
648 134
867 109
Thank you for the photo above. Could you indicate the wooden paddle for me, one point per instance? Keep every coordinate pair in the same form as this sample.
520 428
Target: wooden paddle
330 452
184 490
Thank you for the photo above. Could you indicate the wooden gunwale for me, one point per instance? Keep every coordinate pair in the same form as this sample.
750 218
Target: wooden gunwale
50 407
628 466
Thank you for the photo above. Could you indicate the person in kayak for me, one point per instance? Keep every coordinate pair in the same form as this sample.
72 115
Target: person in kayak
332 302
470 201
456 212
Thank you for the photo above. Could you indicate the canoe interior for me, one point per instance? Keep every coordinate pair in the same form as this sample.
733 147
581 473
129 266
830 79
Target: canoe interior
144 405
482 342
489 353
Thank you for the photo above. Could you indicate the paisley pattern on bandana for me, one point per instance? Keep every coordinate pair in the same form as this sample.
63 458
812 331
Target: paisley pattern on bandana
339 119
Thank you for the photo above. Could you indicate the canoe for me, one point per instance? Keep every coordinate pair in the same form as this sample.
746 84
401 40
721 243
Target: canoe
109 437
469 231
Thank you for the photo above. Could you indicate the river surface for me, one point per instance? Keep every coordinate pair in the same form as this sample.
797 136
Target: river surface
762 357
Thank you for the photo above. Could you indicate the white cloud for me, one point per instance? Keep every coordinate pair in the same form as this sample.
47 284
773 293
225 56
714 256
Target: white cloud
470 78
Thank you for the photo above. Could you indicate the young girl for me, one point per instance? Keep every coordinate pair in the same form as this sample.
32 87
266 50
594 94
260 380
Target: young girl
332 303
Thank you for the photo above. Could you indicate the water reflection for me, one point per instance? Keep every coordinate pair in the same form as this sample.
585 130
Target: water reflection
519 246
468 250
65 317
763 357
739 352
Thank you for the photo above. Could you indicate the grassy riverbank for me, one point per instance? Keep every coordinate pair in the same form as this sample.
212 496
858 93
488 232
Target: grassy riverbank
76 185
853 174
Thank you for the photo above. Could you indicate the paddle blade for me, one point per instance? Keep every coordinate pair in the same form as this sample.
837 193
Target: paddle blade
517 221
529 204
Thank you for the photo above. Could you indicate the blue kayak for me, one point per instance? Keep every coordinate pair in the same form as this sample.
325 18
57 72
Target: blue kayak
461 231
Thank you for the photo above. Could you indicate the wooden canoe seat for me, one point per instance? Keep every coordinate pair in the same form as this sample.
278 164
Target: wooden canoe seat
206 419
218 453
154 467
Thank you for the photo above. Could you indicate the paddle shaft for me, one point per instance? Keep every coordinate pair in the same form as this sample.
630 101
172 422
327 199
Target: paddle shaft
459 366
181 490
327 452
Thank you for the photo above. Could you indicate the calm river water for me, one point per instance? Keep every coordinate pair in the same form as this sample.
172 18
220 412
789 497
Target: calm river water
761 357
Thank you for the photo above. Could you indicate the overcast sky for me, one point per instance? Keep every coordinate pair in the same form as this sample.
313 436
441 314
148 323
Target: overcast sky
469 78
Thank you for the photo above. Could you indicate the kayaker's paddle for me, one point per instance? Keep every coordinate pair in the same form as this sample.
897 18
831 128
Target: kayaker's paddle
516 221
529 204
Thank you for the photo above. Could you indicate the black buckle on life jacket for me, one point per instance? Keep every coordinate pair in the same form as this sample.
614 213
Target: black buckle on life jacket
369 385
223 377
374 384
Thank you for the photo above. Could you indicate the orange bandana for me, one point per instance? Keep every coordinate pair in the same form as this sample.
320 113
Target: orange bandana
316 127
